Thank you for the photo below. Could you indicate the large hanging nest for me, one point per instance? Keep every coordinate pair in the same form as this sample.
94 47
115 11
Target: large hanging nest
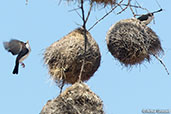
132 42
77 99
65 57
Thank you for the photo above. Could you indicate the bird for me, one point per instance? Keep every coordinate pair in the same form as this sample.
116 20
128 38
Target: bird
147 18
19 48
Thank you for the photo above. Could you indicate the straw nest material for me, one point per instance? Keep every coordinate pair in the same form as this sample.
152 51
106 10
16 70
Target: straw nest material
132 42
64 58
99 2
105 2
77 99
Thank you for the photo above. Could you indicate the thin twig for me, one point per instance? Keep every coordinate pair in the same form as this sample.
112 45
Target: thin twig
141 6
26 2
88 15
135 6
82 11
161 63
81 71
74 9
135 9
132 11
124 8
61 88
120 6
84 27
63 79
59 2
158 4
104 16
85 38
78 14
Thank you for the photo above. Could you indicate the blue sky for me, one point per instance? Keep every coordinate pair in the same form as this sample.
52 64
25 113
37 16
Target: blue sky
123 90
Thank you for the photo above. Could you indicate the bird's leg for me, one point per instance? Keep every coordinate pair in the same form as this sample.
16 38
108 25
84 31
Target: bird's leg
23 65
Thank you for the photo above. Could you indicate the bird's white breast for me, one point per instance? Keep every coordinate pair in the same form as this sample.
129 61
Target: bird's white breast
150 18
25 56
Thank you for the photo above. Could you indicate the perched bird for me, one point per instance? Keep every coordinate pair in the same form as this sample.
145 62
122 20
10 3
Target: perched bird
19 48
147 18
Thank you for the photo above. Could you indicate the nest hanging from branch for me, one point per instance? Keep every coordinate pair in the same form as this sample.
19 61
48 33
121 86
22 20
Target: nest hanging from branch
64 57
132 42
77 99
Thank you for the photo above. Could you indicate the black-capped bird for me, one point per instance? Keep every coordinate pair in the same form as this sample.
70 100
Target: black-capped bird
20 49
147 18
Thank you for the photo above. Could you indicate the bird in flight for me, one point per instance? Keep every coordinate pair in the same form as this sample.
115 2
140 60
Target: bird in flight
20 49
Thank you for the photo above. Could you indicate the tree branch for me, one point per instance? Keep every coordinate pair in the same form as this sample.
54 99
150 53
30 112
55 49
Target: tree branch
104 16
124 8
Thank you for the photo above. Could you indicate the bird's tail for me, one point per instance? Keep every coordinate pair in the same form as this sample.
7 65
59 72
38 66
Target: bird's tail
15 71
158 11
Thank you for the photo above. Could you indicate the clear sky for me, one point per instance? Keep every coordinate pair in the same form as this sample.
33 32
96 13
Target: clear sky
123 90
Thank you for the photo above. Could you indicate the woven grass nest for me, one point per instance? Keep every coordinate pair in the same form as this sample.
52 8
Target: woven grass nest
77 99
132 42
99 2
105 2
64 57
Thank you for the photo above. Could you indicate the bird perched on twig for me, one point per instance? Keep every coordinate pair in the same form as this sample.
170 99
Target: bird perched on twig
147 18
19 48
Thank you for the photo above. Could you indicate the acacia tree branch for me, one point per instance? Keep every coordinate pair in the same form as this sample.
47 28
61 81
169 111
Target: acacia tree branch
77 13
104 16
85 37
132 11
88 15
141 6
83 14
161 63
124 8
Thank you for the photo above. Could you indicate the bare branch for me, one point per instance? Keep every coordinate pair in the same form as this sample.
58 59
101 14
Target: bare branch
142 7
132 11
104 16
88 15
85 37
158 4
120 5
74 9
62 85
26 2
161 63
124 8
78 14
81 71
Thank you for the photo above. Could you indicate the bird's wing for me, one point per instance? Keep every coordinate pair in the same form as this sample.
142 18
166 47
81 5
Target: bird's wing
143 17
14 46
22 55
